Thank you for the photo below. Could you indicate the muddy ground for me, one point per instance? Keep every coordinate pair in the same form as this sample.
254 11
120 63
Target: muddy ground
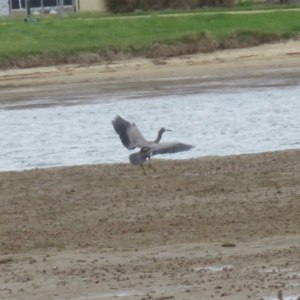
254 66
196 229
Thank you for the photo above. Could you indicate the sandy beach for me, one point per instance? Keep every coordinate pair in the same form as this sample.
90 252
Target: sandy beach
204 228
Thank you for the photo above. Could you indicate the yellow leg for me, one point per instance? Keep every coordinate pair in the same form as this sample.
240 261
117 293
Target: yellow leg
149 166
143 169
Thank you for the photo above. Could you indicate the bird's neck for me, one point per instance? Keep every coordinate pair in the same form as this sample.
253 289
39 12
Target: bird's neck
159 135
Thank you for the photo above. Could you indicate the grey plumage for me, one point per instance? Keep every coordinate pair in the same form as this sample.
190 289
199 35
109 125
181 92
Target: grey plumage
162 148
132 138
130 135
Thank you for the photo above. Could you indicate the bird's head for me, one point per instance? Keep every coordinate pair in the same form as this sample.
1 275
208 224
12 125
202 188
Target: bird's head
163 129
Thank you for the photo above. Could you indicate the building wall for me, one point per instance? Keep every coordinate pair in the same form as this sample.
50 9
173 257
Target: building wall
91 5
4 8
37 3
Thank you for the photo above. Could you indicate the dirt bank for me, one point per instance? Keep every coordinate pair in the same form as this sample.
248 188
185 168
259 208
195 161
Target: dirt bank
78 80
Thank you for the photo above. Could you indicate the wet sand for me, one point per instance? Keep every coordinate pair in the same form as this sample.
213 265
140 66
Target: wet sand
257 65
196 229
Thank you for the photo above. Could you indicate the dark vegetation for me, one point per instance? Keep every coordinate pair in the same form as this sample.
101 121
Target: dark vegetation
125 6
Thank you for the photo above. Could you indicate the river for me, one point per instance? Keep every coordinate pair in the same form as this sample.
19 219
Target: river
219 117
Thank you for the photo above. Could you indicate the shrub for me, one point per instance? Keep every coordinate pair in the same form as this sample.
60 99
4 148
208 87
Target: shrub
123 6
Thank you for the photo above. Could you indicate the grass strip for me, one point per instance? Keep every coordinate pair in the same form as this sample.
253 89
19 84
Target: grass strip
55 40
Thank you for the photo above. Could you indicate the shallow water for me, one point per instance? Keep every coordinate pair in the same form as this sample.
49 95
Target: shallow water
213 268
218 120
291 297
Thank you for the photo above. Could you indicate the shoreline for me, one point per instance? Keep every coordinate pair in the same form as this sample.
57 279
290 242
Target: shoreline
166 161
268 60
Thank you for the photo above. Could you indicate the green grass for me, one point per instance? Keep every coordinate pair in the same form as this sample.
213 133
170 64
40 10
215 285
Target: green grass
54 36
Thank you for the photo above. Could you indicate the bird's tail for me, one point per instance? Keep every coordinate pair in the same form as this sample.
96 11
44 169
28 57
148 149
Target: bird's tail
137 158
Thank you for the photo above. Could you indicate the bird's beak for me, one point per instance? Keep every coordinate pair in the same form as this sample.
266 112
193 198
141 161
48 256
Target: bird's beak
168 130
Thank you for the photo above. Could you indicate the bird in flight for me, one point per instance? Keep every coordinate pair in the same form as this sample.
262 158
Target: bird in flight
132 138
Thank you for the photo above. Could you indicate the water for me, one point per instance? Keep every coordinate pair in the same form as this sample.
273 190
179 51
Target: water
213 268
291 297
218 121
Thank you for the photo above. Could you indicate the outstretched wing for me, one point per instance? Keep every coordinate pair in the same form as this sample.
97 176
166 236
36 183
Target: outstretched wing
169 148
129 134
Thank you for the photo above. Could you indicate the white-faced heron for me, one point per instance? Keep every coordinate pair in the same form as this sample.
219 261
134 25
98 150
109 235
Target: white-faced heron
132 138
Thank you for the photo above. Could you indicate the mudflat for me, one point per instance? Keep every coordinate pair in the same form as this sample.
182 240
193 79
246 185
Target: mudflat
203 228
196 229
68 82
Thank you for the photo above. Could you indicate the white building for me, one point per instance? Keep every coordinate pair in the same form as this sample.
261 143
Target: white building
4 7
42 5
90 5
